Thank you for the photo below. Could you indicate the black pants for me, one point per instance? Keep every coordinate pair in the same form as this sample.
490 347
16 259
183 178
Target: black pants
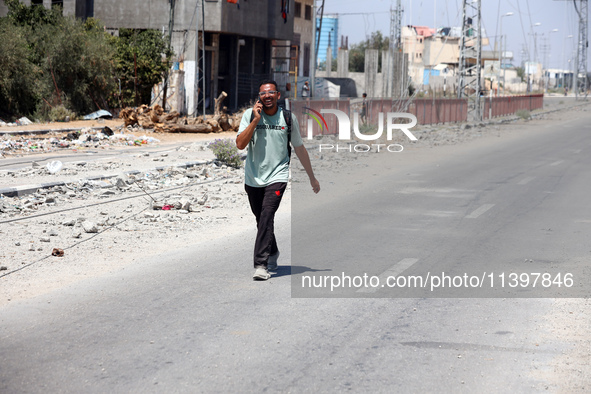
264 202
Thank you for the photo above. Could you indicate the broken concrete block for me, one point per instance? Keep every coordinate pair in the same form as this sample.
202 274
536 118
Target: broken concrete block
90 227
186 205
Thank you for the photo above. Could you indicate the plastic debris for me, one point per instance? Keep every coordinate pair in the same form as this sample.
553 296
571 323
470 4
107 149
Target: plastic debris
24 121
54 166
98 114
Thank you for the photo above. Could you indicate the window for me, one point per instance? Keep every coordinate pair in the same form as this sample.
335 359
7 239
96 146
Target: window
308 12
298 10
57 3
37 2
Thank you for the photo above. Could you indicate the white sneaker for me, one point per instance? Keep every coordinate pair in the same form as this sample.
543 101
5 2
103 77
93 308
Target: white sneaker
272 262
261 274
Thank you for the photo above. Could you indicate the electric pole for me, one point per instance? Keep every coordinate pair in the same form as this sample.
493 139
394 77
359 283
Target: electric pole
166 75
582 85
470 59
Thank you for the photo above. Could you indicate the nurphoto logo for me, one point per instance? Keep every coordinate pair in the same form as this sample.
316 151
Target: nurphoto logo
344 130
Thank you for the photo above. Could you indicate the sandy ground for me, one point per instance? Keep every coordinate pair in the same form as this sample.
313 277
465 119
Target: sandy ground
128 229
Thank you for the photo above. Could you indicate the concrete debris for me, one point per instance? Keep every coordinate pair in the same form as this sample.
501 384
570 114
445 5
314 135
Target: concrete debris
89 227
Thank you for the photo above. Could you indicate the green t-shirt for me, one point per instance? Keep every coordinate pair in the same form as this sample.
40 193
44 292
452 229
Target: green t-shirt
267 160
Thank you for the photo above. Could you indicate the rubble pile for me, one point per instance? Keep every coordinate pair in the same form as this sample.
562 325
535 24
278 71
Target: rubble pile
161 122
129 205
121 186
84 138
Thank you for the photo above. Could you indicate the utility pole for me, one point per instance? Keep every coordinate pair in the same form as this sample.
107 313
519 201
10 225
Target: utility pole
166 75
394 84
313 57
199 76
582 85
470 59
319 30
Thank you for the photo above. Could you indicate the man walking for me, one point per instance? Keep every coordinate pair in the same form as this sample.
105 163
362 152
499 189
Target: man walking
267 132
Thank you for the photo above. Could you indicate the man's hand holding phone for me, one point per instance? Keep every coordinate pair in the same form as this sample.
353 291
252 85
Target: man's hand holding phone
256 110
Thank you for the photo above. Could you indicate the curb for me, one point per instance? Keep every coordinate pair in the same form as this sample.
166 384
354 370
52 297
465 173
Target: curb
19 191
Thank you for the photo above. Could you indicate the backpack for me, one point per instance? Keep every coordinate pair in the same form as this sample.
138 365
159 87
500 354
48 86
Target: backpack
287 118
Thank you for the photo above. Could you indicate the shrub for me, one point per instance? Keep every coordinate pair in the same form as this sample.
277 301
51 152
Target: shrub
226 152
59 114
523 114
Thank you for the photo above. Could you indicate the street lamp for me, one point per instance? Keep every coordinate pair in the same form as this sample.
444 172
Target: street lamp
545 67
536 42
564 62
530 81
501 51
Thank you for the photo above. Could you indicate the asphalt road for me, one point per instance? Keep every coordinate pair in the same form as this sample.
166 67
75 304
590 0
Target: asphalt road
192 320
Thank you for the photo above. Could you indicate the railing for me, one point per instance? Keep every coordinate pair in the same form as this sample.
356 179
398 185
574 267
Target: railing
502 106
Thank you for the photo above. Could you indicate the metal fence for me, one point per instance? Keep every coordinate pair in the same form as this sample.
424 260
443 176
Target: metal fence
502 106
434 111
427 111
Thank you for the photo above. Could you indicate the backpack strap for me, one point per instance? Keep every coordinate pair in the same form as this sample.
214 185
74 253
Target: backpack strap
287 118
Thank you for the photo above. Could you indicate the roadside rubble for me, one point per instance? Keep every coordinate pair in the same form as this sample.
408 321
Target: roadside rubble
151 203
84 138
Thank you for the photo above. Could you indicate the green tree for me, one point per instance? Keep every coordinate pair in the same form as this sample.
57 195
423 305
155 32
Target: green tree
21 15
146 49
77 61
19 77
357 51
47 59
521 73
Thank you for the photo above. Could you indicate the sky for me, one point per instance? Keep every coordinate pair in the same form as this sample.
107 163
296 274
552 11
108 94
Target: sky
359 18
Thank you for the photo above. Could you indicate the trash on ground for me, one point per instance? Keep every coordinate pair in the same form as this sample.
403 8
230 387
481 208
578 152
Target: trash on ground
57 252
98 114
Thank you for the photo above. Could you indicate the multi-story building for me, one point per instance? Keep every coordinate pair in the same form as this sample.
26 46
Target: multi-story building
303 35
329 36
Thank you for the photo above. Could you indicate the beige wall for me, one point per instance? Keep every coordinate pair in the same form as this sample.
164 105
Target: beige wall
441 50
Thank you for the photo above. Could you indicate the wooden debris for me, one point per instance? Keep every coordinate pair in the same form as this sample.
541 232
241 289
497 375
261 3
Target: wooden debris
161 122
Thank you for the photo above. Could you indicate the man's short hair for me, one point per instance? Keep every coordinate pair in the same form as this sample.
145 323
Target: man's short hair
269 82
